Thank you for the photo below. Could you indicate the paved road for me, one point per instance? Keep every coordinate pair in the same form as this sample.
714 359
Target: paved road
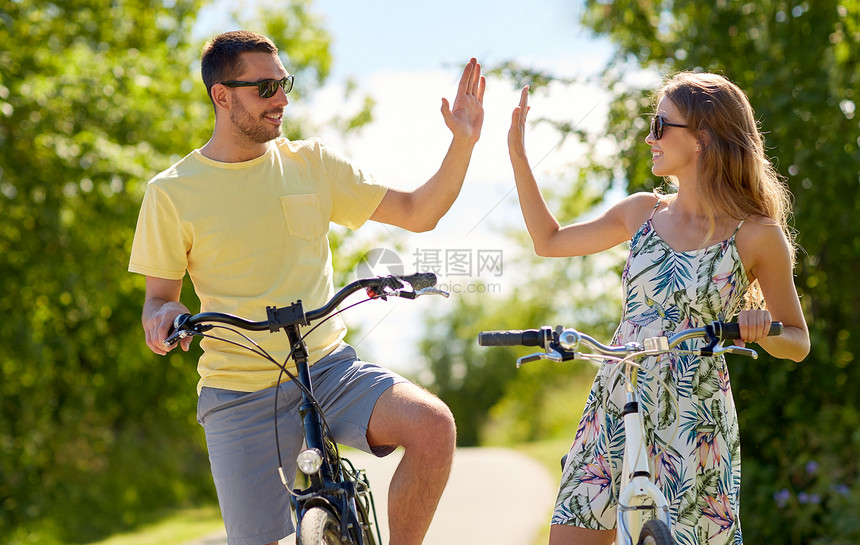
494 496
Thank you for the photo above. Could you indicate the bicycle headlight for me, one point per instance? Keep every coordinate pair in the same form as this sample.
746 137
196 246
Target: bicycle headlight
309 461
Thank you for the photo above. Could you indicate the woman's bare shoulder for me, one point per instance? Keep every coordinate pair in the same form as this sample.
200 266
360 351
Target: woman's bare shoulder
634 209
757 229
761 240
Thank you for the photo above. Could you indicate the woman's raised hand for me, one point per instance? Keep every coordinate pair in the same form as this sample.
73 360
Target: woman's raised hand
516 134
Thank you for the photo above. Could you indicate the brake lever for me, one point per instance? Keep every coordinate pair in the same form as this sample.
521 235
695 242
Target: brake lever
419 293
178 333
177 336
432 291
550 354
739 350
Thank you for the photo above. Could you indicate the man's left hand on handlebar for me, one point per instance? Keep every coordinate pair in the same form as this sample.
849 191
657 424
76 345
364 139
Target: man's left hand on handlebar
157 326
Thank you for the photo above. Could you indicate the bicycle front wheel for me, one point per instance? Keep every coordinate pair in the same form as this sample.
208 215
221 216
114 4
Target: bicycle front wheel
655 532
319 527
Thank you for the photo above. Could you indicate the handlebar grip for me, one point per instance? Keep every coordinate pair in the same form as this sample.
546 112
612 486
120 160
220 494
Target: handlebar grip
528 337
419 281
731 330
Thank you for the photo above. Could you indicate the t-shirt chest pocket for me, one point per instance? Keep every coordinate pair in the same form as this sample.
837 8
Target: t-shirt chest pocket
304 216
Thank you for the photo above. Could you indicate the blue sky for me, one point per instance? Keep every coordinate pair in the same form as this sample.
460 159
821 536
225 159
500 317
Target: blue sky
405 35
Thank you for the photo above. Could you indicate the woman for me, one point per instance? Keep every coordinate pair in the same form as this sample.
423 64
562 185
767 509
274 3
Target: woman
716 248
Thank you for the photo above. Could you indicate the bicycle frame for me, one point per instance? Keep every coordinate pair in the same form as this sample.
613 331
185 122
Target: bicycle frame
329 487
638 492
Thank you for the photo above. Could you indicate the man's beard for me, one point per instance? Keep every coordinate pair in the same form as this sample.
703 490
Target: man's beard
256 130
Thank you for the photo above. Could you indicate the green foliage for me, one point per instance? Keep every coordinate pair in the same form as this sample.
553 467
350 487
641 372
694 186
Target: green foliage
799 66
83 127
96 432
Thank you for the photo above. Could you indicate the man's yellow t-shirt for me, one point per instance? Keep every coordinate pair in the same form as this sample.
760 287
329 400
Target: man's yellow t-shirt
252 235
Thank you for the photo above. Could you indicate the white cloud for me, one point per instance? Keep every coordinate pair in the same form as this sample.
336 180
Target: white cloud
407 139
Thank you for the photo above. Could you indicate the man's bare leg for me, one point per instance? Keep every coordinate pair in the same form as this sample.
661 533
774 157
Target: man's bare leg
411 417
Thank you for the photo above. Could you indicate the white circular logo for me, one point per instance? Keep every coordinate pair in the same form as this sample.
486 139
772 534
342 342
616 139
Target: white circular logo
379 262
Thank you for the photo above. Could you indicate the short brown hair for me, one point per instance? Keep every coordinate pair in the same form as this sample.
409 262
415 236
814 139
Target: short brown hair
221 57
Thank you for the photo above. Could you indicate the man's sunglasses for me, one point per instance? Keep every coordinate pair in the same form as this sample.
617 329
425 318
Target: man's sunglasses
657 124
267 87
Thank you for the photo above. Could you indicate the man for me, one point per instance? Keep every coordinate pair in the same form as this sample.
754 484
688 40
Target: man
246 216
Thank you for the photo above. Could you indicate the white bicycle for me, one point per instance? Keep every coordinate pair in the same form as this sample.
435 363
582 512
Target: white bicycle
643 511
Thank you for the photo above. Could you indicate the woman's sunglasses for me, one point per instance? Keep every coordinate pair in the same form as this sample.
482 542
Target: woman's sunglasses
267 87
657 124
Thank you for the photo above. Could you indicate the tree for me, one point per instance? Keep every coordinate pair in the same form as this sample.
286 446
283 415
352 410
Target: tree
799 67
95 98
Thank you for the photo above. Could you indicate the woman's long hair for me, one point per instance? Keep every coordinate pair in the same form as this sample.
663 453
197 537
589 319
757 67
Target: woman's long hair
736 174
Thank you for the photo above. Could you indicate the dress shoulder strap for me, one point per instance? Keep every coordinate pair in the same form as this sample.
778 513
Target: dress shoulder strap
654 211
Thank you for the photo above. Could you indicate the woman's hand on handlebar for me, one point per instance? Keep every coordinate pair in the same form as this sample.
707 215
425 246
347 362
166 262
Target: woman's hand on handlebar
754 326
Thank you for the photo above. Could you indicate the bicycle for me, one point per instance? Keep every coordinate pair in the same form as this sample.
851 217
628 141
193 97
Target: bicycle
337 507
643 510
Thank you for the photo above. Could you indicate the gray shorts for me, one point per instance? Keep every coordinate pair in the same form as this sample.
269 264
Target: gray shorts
240 435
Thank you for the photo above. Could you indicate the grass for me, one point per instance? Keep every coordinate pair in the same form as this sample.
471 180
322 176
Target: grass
548 453
178 527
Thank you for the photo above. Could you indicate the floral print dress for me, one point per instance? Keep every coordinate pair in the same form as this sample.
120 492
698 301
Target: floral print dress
696 436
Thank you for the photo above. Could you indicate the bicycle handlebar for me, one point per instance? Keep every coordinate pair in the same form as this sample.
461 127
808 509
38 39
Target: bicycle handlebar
185 325
515 337
562 343
732 330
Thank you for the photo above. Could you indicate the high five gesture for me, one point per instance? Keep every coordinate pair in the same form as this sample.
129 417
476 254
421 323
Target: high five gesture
467 116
